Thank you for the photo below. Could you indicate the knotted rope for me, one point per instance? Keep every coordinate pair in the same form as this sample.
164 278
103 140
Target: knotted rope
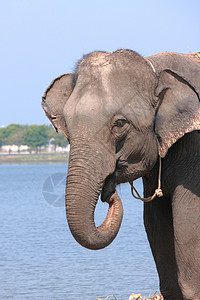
158 191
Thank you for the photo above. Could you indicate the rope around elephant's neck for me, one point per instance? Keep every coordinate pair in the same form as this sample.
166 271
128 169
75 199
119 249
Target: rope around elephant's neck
158 191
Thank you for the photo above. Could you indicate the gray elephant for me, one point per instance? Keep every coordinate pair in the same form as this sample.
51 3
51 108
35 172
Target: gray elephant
122 113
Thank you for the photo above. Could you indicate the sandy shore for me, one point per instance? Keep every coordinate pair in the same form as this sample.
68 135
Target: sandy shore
42 158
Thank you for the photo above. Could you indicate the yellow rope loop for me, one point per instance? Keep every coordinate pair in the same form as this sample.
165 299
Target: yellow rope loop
158 191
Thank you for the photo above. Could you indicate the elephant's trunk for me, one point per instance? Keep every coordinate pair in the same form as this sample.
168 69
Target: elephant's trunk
84 184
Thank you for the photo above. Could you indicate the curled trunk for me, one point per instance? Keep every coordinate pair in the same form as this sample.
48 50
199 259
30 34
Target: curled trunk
82 192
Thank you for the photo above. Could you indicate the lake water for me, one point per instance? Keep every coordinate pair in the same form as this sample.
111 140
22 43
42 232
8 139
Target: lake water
39 259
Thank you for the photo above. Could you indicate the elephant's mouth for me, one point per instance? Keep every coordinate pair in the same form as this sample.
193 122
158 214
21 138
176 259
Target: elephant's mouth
113 180
109 187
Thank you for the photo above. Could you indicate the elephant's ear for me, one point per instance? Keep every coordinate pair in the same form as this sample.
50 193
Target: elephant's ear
54 100
179 110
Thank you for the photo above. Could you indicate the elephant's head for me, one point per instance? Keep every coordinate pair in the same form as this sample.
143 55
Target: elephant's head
118 116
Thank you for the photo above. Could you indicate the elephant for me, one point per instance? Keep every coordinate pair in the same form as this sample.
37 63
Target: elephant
125 116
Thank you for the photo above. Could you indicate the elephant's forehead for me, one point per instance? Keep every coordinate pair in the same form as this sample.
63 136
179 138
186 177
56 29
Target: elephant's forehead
90 112
101 94
96 59
91 97
92 105
102 99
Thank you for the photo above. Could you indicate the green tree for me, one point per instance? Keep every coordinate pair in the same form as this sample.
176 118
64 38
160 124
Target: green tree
33 136
36 136
60 140
9 130
12 135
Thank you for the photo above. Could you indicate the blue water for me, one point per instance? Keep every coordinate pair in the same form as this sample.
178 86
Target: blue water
39 259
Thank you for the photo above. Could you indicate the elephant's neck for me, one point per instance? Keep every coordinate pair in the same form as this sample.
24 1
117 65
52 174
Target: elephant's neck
182 163
187 148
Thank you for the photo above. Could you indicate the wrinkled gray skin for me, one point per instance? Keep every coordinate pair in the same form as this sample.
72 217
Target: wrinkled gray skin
120 112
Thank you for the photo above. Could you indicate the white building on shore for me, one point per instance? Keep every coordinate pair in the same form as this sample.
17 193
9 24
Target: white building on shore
14 148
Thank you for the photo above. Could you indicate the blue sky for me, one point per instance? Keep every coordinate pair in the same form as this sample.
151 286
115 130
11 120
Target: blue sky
42 39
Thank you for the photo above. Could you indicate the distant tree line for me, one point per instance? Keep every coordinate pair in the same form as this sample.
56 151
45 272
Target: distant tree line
34 136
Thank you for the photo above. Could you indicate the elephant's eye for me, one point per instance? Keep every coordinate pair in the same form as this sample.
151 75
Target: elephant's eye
120 127
120 123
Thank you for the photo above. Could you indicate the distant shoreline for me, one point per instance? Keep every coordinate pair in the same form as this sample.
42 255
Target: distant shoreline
42 158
